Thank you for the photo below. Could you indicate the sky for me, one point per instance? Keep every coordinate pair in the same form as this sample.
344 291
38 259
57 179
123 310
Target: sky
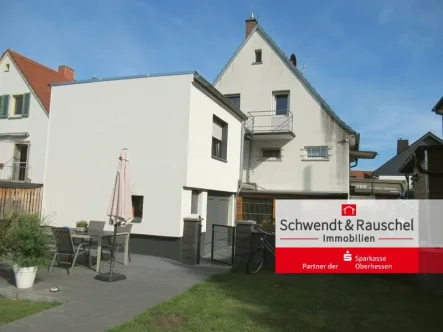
377 63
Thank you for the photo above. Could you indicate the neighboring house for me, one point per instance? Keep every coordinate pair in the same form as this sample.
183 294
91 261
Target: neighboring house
295 145
425 164
438 109
185 155
361 175
24 110
391 169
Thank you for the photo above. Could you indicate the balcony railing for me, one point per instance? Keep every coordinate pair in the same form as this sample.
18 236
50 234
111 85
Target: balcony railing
265 122
17 171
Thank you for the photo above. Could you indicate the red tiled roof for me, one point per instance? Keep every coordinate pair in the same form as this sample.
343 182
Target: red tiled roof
38 76
361 174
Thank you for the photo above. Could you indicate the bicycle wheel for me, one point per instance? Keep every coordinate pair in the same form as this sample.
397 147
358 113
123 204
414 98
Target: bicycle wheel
255 261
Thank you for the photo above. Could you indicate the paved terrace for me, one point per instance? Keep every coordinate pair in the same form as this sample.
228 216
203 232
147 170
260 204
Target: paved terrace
92 305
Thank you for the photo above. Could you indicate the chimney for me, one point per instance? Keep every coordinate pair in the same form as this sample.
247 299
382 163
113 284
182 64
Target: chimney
67 72
250 24
402 145
293 60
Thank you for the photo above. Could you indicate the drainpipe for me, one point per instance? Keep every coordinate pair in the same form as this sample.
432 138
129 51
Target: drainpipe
240 179
249 162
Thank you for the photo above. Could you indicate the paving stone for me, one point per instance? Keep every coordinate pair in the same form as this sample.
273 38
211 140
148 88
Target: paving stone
92 305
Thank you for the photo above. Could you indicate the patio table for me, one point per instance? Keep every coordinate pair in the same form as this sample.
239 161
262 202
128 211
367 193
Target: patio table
97 236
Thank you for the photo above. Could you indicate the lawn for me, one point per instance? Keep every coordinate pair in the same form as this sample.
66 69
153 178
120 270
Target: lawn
269 302
11 310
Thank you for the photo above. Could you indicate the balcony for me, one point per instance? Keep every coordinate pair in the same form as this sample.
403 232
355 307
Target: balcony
263 125
17 171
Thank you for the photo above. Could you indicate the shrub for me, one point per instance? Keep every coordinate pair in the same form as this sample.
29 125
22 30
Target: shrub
82 223
26 240
268 225
5 222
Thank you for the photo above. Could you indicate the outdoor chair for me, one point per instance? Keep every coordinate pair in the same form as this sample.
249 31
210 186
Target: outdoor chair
95 225
65 246
119 241
50 244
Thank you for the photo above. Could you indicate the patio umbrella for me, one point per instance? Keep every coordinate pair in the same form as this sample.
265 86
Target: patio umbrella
119 211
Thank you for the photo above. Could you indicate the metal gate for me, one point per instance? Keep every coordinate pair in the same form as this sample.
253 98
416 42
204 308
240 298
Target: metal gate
223 244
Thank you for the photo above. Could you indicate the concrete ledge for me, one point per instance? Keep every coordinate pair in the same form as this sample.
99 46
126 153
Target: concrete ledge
16 294
245 222
193 219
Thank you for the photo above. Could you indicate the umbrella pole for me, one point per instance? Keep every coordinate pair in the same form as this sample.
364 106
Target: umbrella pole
113 250
111 276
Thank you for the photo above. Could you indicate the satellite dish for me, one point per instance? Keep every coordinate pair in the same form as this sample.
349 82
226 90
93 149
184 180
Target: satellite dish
293 59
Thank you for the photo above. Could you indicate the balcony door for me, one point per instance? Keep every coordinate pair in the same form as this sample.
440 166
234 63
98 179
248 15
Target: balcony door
20 167
281 102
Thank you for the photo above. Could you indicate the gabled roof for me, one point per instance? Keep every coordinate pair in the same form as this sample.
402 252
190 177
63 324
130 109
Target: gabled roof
37 76
293 69
392 166
438 108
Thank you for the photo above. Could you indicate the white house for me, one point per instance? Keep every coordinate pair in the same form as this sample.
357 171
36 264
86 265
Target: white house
184 140
24 112
295 145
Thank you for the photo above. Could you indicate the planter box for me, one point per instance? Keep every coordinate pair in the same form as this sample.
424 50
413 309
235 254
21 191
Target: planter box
82 229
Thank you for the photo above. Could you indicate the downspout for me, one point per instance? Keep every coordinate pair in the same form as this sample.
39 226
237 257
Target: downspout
426 174
240 178
249 162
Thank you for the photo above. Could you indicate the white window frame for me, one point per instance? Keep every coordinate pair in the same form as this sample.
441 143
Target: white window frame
306 156
275 94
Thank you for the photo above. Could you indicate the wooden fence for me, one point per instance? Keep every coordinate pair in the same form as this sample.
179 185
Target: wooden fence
20 198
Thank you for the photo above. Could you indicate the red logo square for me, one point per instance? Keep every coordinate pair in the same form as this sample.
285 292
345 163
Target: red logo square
349 210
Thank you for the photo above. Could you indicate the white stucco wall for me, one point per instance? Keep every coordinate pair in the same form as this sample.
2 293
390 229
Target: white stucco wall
166 124
91 123
312 125
204 171
12 83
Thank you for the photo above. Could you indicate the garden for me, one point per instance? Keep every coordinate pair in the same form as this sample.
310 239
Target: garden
24 245
237 301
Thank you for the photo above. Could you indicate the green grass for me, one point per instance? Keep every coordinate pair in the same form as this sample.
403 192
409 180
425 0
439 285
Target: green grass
322 303
11 310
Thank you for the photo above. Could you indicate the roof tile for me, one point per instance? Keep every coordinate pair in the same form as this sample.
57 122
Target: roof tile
38 76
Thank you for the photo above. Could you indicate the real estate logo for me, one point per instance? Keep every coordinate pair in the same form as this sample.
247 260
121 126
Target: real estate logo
329 237
349 210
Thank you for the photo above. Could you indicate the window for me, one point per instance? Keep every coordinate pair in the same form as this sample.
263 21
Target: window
257 209
258 56
219 139
271 154
194 201
321 152
281 103
20 164
137 207
18 105
235 99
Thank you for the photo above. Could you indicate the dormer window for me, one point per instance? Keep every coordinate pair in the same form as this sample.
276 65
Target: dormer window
258 56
